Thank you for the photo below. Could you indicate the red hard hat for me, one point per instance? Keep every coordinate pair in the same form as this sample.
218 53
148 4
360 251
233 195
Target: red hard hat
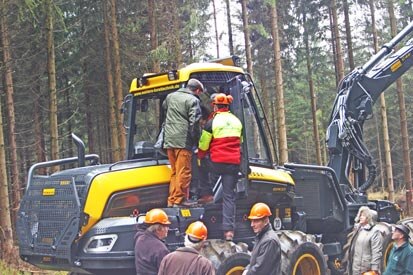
157 216
197 230
222 99
259 210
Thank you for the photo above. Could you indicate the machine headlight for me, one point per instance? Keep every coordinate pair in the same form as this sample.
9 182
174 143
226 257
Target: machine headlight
100 244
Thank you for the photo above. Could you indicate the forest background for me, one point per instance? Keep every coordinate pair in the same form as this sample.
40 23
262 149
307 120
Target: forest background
66 66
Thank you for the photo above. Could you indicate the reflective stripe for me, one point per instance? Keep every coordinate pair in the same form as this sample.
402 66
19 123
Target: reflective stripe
205 140
226 125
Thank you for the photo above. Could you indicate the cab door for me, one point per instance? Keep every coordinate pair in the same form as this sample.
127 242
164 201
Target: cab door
255 146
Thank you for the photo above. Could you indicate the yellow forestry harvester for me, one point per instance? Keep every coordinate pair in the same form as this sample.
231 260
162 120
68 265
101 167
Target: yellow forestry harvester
84 219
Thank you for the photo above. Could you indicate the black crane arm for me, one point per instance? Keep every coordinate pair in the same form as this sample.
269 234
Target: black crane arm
356 95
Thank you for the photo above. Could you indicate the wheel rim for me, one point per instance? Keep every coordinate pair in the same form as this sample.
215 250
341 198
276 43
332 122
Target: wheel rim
386 254
236 270
307 264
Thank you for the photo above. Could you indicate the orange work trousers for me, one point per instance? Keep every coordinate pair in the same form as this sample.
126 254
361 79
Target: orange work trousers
181 162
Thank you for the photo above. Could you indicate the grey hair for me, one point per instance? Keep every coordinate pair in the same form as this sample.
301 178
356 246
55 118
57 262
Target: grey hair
197 246
371 215
194 84
154 227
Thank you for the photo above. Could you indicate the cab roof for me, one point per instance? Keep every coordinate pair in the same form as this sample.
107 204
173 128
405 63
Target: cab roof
152 83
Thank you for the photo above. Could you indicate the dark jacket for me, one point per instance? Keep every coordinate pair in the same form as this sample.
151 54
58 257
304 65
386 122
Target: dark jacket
400 260
149 252
186 261
266 254
181 127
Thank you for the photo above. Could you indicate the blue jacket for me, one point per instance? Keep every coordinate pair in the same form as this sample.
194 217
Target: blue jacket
400 260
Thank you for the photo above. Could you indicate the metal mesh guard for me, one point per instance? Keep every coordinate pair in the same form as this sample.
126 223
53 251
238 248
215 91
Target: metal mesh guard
48 219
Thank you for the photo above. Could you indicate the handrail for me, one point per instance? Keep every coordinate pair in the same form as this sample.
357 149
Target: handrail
51 163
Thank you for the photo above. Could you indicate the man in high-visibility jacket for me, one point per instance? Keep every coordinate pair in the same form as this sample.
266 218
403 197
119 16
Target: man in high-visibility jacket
221 136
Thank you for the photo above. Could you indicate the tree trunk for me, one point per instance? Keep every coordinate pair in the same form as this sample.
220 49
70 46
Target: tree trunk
8 86
267 105
382 185
316 135
214 12
176 35
6 233
51 71
153 34
348 35
230 40
407 171
118 79
66 114
383 112
38 132
247 40
91 129
114 141
281 127
335 33
382 99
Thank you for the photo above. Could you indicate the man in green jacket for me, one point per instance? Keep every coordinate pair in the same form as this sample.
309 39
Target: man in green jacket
181 134
401 256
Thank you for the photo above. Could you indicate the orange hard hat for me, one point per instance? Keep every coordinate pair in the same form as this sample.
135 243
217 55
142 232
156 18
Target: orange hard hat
222 99
259 210
157 216
197 230
369 273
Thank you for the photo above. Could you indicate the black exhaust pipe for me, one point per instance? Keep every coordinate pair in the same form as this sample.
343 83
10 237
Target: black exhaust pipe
80 150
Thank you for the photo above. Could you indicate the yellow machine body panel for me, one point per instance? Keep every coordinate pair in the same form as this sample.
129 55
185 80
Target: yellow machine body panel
153 83
271 175
106 184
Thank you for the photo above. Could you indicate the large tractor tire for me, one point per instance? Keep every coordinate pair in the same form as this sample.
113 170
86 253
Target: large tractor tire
387 244
301 255
234 264
228 258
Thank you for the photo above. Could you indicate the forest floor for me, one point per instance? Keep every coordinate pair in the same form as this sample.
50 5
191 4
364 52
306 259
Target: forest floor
22 268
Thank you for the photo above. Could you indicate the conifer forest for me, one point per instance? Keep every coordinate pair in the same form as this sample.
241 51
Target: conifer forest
66 66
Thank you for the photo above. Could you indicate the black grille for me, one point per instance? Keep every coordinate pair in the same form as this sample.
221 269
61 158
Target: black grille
214 77
49 215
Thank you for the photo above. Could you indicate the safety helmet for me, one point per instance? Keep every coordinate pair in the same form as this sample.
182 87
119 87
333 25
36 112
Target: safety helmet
222 99
259 210
369 273
197 230
156 216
